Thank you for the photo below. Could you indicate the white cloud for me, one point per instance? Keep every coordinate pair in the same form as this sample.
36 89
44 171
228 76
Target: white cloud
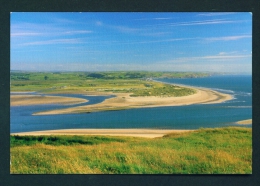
204 22
54 41
216 14
196 23
70 32
225 57
228 38
78 32
162 18
153 41
222 53
191 23
157 34
126 29
203 60
156 18
214 63
59 20
119 28
99 23
17 34
44 30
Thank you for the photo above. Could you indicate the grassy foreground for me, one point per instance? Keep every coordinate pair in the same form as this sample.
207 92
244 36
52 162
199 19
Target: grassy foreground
205 151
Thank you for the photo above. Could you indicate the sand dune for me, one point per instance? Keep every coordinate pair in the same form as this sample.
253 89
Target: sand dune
125 101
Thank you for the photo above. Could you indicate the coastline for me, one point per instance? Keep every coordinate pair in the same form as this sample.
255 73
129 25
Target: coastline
245 122
22 100
125 101
145 133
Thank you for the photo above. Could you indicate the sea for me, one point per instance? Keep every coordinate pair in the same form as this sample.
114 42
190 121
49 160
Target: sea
171 117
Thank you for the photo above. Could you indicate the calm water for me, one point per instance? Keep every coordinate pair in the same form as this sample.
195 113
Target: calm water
178 117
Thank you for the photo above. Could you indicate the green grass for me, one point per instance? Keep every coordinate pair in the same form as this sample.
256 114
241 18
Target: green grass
38 76
206 151
135 83
59 140
157 89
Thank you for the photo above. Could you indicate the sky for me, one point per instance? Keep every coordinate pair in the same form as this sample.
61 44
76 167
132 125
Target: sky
102 41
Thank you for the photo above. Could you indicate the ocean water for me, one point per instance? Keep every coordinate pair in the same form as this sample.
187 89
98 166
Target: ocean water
174 117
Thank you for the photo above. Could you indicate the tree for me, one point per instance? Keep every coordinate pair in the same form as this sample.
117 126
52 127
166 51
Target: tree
45 77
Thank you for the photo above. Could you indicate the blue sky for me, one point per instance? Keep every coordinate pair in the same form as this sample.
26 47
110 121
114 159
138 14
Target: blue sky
84 41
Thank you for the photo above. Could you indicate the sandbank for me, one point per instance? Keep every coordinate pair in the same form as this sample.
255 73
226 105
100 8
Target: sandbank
245 122
19 100
146 133
125 101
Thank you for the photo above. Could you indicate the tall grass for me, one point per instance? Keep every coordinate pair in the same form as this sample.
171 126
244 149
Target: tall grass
206 151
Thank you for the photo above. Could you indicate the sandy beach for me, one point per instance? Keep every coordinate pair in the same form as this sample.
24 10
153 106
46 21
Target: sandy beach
125 101
245 122
19 100
146 133
121 101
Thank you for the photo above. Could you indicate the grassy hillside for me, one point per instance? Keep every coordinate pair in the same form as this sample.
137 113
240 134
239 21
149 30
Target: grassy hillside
206 151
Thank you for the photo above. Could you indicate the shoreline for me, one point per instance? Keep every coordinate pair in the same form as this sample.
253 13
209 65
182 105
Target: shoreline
145 133
125 101
24 100
245 122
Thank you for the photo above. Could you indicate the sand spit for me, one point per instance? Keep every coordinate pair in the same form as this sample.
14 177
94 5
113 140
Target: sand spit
19 100
245 122
146 133
125 101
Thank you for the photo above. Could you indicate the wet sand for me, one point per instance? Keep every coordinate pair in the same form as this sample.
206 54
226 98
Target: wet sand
145 133
19 100
125 101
